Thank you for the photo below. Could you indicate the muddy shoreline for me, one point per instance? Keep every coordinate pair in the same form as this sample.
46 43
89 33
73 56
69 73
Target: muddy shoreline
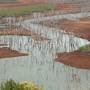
6 52
75 59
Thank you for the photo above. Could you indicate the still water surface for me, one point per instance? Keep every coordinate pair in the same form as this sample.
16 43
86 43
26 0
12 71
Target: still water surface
40 67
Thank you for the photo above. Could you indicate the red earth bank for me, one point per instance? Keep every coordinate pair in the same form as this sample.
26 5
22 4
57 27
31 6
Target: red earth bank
7 53
75 59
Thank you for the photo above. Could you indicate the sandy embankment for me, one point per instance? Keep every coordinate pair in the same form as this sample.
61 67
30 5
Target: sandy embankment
8 53
75 59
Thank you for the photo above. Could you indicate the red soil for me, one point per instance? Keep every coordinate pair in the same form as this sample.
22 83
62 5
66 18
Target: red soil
73 7
22 3
79 28
23 32
75 59
7 53
65 7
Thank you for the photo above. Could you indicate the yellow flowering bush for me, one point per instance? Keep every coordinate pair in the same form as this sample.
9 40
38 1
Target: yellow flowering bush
25 85
29 86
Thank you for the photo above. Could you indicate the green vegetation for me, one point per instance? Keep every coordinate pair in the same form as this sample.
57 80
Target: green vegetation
9 1
25 10
12 85
85 48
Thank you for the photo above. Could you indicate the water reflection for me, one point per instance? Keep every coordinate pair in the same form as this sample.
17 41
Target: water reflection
39 66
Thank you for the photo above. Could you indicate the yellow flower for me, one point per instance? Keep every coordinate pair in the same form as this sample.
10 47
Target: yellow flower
28 85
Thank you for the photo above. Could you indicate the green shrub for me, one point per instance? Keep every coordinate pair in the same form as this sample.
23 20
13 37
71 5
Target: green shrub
12 85
85 48
9 85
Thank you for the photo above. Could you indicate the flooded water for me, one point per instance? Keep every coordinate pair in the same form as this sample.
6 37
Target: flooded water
40 66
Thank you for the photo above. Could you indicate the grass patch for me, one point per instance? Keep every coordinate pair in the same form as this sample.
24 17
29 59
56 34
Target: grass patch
85 48
12 85
25 10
